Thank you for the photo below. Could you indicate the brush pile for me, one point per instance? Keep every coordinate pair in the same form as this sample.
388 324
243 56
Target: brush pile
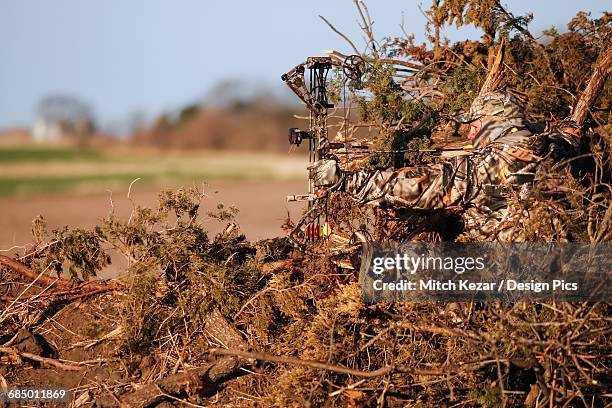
222 321
200 320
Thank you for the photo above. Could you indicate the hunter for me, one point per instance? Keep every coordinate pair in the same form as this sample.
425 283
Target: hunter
503 159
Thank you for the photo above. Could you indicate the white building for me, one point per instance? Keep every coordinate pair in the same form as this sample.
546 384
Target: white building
46 131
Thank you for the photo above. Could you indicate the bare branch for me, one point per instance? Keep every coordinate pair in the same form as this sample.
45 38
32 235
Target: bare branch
349 371
601 69
367 26
32 275
495 74
334 29
73 366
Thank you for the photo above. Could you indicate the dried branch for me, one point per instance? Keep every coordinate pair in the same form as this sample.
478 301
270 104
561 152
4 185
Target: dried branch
496 72
202 381
324 366
393 369
602 68
367 26
334 29
401 63
66 286
32 275
73 366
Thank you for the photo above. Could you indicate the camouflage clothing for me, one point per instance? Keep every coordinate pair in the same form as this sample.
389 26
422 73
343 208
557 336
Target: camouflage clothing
498 104
472 179
503 160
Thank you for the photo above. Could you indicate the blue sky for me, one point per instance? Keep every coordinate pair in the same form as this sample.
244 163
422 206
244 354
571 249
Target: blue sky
150 56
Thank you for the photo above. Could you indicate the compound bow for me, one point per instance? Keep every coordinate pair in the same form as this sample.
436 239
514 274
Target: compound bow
314 94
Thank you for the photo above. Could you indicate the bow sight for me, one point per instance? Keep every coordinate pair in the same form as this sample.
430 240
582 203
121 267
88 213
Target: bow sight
296 136
313 92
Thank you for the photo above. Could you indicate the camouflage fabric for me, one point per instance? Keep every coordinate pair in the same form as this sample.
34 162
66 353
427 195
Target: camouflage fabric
498 103
325 173
478 179
478 182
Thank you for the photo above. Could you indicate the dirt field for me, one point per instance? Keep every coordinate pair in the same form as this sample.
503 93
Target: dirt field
262 208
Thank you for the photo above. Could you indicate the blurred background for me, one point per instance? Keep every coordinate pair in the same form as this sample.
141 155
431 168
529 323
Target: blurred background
101 98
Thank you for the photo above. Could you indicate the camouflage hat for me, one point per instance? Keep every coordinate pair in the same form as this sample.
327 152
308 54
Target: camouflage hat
498 103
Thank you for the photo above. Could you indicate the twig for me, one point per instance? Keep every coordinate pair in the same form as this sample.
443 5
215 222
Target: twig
367 26
113 396
182 401
348 387
44 360
129 196
2 316
324 366
36 250
387 370
400 62
340 34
